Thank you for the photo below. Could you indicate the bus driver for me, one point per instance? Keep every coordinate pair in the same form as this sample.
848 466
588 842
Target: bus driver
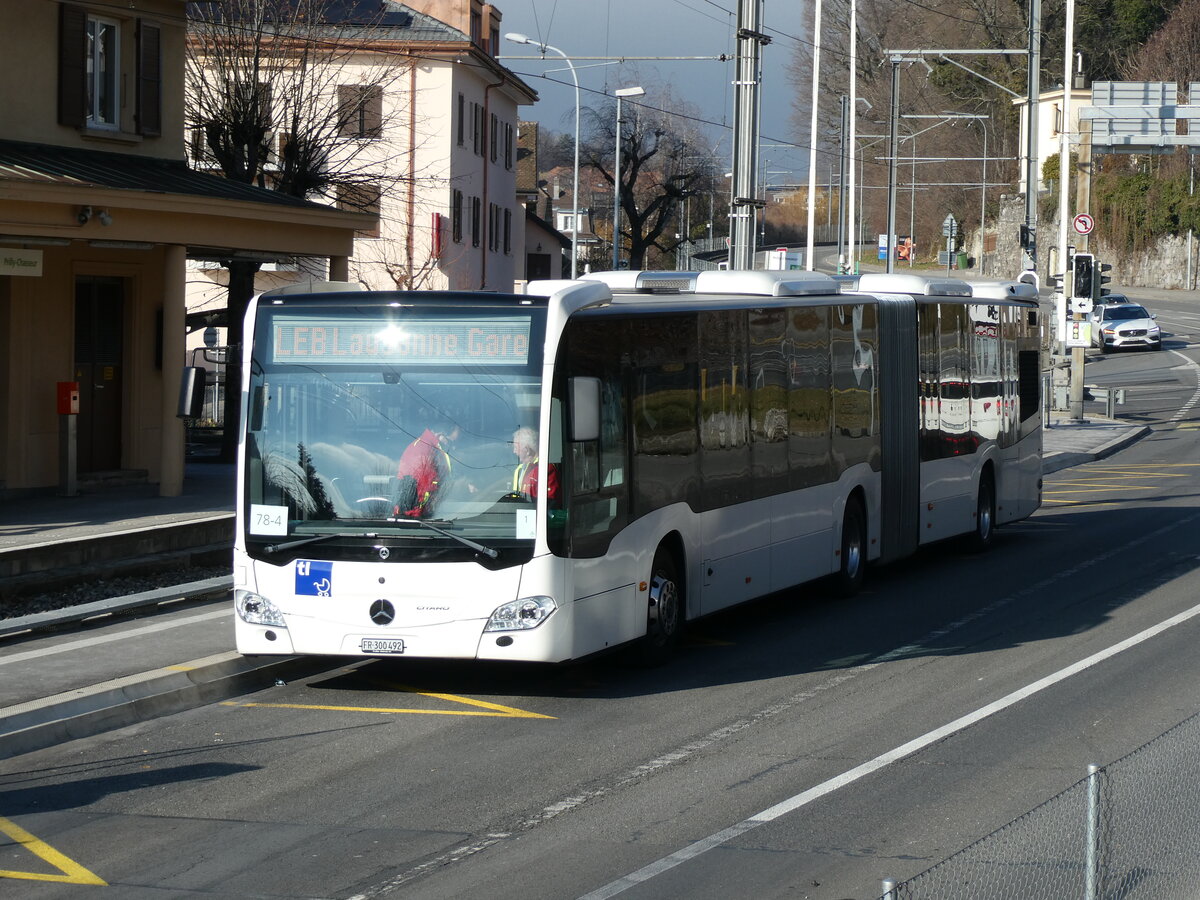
525 476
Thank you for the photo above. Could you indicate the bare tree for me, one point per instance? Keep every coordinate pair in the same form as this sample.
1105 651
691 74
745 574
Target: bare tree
1173 52
664 159
287 95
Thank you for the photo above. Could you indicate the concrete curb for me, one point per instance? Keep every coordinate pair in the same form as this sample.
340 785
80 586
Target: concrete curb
208 589
1065 459
84 712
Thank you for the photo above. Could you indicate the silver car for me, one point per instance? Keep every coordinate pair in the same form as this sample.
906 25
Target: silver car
1121 325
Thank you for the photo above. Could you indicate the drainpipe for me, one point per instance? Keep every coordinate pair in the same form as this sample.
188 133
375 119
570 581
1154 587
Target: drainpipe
409 235
487 144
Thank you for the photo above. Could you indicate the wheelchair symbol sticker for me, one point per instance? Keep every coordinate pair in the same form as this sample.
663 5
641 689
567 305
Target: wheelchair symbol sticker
313 578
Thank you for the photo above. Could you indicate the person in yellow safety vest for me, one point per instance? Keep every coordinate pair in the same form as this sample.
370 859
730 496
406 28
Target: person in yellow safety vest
525 476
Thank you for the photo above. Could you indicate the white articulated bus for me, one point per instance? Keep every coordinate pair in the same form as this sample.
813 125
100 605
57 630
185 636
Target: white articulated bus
694 441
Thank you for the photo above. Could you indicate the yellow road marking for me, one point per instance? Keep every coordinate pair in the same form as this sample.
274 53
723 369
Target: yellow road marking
1099 490
494 710
1149 466
1104 485
1126 473
71 871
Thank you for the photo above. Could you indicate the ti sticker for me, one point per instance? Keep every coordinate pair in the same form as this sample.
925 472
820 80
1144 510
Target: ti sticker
314 579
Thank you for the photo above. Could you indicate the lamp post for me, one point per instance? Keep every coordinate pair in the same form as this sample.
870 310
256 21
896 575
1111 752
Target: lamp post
619 93
523 39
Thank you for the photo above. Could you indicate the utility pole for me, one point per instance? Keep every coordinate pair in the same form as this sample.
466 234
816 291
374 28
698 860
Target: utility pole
1033 86
842 162
1064 213
893 149
745 202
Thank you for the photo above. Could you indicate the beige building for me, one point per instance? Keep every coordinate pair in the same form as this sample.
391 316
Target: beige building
99 215
438 130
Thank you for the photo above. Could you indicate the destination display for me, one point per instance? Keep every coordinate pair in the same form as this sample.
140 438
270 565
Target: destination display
334 340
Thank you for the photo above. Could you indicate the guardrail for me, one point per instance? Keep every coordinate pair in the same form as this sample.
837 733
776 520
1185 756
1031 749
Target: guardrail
1110 397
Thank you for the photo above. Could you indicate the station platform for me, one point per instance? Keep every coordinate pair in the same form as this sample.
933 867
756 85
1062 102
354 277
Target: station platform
70 673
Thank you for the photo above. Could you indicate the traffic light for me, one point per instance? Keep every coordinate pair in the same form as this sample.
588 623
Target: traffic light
1099 280
1084 284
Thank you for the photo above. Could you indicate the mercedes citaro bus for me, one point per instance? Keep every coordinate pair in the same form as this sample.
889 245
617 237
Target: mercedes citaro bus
702 439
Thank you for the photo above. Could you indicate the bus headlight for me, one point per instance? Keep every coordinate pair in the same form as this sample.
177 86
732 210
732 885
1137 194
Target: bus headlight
256 609
520 615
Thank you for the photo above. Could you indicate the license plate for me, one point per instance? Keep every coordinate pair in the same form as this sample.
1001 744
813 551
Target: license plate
381 645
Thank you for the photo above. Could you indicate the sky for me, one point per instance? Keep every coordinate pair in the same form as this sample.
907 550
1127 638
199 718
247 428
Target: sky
644 33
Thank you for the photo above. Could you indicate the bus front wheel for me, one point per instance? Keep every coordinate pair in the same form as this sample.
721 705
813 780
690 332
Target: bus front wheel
852 569
665 610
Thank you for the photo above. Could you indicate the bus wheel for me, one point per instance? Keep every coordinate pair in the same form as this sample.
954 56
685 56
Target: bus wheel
665 613
853 570
985 516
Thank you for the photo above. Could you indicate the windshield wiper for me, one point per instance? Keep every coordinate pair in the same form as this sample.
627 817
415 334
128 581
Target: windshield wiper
466 542
316 539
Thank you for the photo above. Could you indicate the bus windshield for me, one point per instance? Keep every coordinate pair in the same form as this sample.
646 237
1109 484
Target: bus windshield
391 420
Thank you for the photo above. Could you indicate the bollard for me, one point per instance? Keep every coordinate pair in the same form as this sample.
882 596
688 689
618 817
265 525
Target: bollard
68 412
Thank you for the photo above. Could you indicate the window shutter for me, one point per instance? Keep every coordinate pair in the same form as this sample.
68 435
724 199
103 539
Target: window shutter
72 71
149 79
373 112
347 111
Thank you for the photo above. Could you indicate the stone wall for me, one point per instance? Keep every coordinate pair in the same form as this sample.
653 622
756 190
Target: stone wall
1166 266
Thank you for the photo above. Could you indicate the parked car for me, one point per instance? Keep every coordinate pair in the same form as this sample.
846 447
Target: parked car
1116 326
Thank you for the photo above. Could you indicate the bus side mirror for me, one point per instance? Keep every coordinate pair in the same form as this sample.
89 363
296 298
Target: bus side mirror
191 393
585 409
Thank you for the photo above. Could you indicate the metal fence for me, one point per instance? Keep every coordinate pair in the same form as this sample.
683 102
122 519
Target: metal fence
1128 830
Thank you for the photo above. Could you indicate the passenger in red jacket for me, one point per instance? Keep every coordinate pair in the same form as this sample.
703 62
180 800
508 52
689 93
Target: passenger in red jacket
424 469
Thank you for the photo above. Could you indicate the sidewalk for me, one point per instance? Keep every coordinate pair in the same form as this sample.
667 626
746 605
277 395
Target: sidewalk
114 671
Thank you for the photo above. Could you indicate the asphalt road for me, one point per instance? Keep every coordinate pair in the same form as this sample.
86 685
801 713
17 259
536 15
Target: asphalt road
762 762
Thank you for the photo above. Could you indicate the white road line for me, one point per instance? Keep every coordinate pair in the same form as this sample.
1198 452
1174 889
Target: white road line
73 646
771 813
1187 407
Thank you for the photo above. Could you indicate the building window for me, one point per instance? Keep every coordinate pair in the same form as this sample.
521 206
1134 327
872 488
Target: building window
362 198
493 137
360 111
493 227
476 213
495 48
456 216
477 128
462 116
90 83
103 66
508 146
507 232
477 27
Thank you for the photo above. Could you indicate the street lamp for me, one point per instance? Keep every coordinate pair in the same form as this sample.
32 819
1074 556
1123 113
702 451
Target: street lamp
524 39
619 93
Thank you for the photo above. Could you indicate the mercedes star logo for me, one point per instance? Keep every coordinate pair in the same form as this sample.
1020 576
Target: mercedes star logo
382 612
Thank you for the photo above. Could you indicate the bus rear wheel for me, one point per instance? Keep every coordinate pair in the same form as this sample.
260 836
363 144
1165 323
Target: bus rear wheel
665 611
852 571
985 516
